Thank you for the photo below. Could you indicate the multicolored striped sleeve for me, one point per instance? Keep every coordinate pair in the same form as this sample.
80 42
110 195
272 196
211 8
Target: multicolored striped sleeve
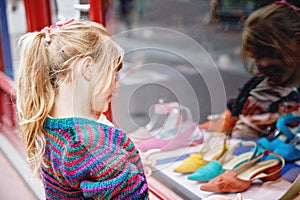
104 164
132 152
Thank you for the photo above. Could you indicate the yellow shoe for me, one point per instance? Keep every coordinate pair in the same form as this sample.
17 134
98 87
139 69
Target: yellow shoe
208 152
191 164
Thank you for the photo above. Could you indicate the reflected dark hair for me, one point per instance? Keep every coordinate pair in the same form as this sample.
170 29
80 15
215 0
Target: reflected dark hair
267 32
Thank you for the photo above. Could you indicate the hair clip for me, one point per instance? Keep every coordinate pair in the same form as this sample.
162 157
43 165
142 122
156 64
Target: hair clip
283 2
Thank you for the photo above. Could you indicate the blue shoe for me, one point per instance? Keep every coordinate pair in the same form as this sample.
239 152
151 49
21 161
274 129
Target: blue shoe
290 150
285 136
207 172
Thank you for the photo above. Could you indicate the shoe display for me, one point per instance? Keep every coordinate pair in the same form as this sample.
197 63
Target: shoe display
211 150
241 178
226 162
225 168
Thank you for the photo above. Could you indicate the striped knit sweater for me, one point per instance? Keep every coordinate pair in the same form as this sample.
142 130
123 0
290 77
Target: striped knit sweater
86 159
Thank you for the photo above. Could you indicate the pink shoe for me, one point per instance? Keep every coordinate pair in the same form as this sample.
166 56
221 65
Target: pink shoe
185 135
172 121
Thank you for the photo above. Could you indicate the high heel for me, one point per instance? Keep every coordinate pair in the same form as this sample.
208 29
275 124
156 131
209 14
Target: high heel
240 179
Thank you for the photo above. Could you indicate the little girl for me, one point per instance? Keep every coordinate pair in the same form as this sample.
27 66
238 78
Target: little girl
66 78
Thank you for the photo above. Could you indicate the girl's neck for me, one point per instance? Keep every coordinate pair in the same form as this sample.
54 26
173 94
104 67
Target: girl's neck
72 102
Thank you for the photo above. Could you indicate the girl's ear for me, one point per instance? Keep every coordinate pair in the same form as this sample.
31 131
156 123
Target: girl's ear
86 67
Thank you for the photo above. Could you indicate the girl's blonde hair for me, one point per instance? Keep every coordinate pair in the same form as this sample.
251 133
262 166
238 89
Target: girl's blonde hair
44 64
267 32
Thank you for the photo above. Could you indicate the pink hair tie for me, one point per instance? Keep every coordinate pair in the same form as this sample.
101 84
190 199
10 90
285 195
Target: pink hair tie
61 23
47 29
282 2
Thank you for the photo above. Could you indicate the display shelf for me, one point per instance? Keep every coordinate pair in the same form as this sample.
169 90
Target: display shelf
176 183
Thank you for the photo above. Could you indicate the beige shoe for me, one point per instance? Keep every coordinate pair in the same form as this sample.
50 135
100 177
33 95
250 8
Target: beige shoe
293 193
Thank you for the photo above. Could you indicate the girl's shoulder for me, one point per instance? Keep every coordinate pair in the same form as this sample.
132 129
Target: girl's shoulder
89 129
81 131
78 124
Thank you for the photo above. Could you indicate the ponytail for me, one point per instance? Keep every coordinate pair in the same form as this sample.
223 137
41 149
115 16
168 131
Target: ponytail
35 94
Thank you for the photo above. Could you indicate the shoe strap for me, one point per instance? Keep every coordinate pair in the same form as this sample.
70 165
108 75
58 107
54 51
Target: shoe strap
172 121
187 111
280 159
207 145
229 154
255 152
252 162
